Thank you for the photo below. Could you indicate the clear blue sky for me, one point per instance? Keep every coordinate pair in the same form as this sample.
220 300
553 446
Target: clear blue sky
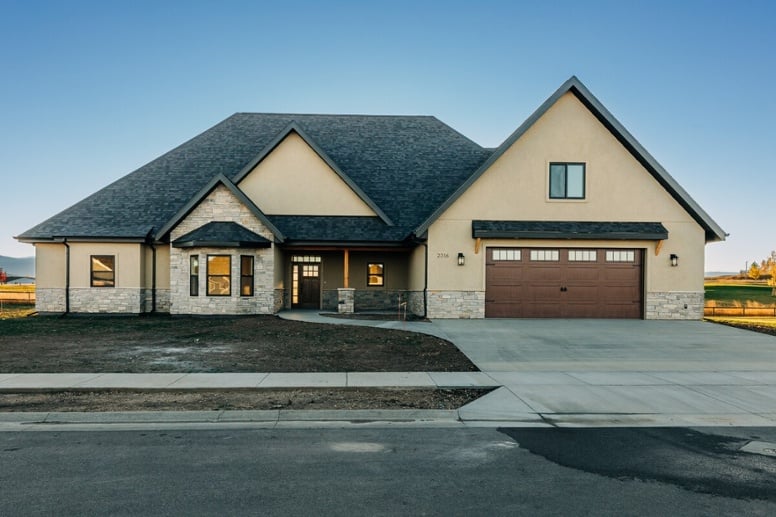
90 91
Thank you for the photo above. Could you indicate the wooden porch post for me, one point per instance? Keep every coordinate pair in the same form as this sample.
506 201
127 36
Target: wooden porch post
346 280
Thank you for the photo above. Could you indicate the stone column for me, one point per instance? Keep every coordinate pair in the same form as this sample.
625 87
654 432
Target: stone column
346 300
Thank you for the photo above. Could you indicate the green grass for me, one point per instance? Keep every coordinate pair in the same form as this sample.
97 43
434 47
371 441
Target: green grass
730 295
10 311
760 322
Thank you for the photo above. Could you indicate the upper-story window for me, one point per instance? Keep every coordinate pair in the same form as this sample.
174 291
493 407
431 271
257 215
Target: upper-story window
567 181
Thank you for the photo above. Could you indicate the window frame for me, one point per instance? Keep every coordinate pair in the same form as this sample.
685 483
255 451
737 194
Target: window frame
193 275
228 277
370 274
106 282
566 196
249 277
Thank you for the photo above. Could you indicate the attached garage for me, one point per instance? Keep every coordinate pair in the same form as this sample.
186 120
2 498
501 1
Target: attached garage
563 283
568 282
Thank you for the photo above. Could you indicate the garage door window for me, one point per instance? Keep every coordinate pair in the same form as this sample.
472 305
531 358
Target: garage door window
620 256
545 255
582 256
506 255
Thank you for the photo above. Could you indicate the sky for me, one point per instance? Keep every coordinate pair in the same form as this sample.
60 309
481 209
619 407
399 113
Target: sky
90 91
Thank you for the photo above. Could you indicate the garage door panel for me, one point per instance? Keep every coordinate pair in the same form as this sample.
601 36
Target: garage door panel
564 288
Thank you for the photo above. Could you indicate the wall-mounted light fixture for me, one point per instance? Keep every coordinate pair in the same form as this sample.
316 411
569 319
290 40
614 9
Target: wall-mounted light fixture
461 259
674 259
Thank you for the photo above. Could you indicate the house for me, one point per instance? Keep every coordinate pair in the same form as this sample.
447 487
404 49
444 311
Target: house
569 217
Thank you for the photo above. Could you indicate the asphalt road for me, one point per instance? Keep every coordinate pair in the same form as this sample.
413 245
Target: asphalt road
387 471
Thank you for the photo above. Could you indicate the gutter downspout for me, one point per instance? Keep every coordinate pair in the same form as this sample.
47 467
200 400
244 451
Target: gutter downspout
153 278
425 282
67 276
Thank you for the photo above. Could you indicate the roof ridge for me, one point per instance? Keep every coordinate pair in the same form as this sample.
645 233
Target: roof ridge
289 114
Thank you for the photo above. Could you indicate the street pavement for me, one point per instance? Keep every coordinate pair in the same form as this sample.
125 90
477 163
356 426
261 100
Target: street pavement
386 471
546 373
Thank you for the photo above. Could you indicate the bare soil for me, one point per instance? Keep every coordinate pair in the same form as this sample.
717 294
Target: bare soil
183 344
348 398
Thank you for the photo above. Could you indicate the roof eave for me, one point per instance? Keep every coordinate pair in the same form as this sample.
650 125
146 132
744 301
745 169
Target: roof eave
221 244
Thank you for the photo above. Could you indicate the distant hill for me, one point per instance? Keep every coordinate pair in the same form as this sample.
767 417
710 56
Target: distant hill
711 274
24 266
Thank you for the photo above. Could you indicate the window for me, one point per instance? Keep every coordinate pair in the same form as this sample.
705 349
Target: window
219 275
545 255
103 271
246 275
506 254
306 258
194 275
567 181
620 256
375 274
582 256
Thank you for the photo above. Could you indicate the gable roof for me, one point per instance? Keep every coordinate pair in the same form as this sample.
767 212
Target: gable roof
222 234
575 86
405 165
294 127
206 190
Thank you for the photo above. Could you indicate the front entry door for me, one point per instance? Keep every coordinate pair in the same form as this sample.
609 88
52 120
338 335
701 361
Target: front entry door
306 286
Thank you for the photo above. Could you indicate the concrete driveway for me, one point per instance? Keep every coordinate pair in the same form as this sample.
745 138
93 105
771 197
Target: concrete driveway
610 372
503 345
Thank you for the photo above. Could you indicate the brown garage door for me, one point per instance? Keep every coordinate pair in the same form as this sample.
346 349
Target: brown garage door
563 283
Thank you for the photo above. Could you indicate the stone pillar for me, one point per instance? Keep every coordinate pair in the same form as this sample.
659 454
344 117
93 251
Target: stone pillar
346 300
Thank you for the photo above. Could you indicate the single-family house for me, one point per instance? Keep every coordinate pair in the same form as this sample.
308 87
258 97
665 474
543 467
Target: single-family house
570 217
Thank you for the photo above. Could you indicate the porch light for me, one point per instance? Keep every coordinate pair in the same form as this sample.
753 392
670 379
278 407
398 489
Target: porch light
461 259
674 260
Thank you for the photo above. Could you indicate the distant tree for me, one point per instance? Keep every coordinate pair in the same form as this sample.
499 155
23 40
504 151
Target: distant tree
770 264
754 271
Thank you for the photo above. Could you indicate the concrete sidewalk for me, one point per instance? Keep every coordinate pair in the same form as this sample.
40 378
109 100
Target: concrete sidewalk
562 398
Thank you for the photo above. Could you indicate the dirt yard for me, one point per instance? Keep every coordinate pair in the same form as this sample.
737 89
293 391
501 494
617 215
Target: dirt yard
352 398
214 344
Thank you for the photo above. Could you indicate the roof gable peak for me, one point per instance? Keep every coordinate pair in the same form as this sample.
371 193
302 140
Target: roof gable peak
220 179
295 127
574 86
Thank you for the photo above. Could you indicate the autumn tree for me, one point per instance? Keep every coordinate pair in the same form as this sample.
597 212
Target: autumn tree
754 271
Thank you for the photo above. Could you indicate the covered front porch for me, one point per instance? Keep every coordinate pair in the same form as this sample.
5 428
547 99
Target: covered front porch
345 279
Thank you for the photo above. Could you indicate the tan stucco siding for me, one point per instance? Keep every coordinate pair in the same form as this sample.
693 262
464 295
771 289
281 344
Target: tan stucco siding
417 269
516 187
50 265
294 180
128 263
162 267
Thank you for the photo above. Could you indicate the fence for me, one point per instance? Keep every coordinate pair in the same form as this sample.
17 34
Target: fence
11 296
745 312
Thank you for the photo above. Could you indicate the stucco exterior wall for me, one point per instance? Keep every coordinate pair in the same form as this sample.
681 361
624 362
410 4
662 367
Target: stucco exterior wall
294 180
516 187
221 205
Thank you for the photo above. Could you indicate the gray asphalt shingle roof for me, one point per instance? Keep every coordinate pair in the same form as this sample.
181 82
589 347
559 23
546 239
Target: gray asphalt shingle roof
221 234
569 230
407 165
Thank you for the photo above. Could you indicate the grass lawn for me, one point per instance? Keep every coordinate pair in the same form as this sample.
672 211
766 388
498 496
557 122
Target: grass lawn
729 295
763 325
